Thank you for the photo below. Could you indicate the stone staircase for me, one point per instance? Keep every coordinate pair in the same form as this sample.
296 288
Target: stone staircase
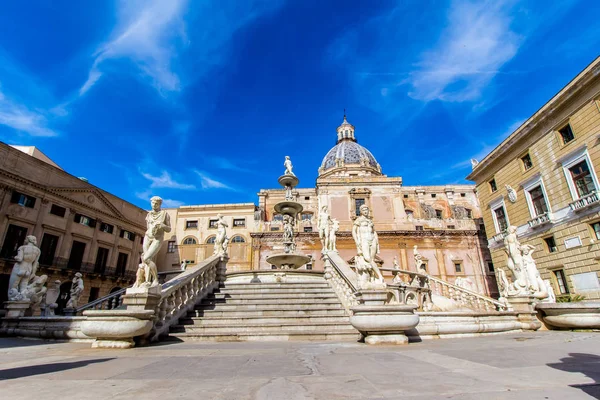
268 311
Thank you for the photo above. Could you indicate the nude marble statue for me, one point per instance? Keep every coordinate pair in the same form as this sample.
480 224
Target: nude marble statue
24 269
157 222
76 290
367 246
221 241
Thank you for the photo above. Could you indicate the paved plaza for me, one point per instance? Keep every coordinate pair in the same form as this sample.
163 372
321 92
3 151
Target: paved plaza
533 365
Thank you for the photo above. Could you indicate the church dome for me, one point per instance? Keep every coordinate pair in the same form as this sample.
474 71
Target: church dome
348 154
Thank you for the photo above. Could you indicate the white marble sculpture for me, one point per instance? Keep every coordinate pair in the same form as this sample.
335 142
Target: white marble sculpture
157 222
24 270
49 302
36 291
367 246
334 227
551 295
526 277
288 229
474 163
397 279
288 166
420 266
512 194
221 241
323 227
76 290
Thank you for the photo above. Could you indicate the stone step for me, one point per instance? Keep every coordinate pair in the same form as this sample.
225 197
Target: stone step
254 296
274 290
269 307
297 285
270 301
257 329
277 312
338 336
262 320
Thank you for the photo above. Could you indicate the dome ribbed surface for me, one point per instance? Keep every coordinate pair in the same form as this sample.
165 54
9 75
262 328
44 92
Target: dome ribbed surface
349 151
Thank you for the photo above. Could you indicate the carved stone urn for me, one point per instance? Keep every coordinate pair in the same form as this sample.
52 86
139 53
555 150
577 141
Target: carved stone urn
381 323
115 329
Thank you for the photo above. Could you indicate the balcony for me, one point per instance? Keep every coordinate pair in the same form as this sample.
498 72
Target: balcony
499 237
540 220
585 201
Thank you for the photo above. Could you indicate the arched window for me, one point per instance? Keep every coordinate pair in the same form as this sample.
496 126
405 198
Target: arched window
189 240
211 240
238 239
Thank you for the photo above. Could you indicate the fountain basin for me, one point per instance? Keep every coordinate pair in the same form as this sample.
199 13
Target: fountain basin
580 315
288 208
288 260
288 180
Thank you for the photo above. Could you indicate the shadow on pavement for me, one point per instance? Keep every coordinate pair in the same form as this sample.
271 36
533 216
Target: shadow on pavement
587 364
32 370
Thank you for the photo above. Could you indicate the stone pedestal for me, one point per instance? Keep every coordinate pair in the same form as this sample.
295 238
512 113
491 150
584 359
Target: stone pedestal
115 329
16 309
222 268
142 299
371 297
527 315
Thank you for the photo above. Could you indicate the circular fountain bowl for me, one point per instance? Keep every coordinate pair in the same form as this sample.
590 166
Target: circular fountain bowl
288 208
288 180
288 260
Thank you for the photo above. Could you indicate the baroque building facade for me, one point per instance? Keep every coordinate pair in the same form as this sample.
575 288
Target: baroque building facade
443 221
543 179
78 227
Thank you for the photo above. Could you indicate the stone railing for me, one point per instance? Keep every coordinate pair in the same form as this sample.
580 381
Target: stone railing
540 220
181 293
498 238
109 302
585 201
342 279
416 291
465 297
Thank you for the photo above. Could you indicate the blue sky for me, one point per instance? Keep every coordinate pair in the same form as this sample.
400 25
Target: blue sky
199 101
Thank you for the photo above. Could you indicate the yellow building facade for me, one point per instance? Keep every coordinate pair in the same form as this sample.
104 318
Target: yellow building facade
543 179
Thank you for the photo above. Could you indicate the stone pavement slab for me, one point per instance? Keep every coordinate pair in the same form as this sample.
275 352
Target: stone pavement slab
535 365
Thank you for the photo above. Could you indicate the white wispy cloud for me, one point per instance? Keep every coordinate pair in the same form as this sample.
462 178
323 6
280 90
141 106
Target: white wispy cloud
33 122
477 42
145 35
168 203
209 183
166 181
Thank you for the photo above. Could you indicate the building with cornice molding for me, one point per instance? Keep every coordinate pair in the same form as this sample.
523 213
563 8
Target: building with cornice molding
543 179
443 221
79 227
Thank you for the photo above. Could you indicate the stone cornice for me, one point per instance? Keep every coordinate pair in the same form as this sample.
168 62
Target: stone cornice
60 192
381 234
530 129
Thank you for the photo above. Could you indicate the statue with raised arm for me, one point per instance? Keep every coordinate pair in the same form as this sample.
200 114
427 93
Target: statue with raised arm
512 247
323 227
157 222
24 269
367 246
221 241
76 290
288 166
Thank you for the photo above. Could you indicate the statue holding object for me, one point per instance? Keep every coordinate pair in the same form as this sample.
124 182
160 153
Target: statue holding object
157 222
367 246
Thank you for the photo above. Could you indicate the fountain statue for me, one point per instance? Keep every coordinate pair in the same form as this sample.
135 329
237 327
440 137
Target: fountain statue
526 277
367 246
290 210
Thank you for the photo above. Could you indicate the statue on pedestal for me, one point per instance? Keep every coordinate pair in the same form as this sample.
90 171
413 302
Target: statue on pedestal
76 290
24 270
221 241
288 229
367 246
288 166
157 222
334 226
526 277
323 227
